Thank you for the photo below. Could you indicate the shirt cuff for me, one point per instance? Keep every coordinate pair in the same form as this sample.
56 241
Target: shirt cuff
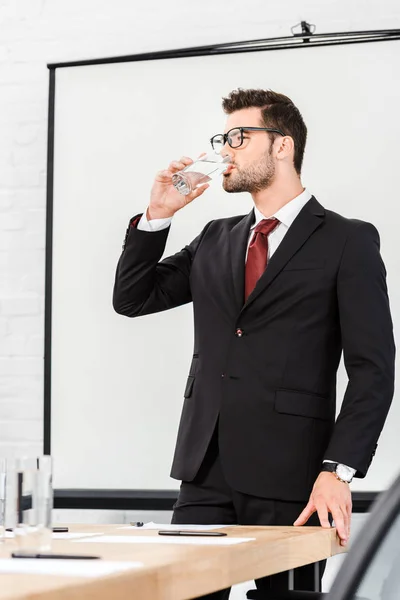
351 468
154 224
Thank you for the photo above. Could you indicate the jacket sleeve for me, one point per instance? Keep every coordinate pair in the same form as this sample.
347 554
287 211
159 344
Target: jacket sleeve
144 285
368 350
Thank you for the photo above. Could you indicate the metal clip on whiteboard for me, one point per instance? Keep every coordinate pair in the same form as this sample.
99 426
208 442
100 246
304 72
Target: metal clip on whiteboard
306 31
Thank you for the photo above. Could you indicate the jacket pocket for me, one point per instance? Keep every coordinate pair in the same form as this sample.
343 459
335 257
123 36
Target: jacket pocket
189 386
194 365
302 404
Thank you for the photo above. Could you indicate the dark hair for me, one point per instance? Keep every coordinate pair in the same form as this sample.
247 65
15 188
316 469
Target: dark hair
277 111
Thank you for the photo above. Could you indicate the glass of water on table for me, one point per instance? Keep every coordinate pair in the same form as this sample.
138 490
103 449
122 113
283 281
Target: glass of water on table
201 171
31 501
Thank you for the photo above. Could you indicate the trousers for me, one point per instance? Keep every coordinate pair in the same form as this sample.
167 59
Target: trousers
208 499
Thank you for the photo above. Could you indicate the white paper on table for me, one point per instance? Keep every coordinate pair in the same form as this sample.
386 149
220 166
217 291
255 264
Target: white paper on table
72 536
143 539
67 567
173 527
60 535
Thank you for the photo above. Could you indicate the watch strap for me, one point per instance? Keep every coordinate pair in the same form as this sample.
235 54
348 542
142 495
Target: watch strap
331 467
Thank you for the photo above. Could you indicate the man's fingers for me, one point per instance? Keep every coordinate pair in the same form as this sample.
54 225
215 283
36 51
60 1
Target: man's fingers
164 176
322 510
305 515
186 160
176 166
347 520
340 525
349 515
345 510
200 190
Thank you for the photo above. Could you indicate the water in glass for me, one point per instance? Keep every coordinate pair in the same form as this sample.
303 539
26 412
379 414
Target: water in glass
202 171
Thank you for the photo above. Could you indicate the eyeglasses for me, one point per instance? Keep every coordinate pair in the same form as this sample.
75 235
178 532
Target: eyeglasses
234 137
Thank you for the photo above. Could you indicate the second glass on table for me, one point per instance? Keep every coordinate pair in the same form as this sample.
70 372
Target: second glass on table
31 497
201 171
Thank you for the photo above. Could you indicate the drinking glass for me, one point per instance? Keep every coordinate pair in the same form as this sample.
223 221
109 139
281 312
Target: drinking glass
32 498
201 171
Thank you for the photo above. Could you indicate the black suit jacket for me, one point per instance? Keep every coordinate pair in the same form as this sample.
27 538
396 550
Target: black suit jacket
265 369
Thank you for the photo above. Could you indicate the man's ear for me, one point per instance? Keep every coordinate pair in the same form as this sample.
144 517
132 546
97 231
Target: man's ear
285 147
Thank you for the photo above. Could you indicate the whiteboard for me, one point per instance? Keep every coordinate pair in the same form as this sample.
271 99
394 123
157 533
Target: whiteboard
117 383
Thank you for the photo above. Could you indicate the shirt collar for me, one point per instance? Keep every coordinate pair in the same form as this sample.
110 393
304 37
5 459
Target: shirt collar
288 212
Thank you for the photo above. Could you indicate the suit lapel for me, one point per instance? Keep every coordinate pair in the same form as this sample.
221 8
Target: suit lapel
307 221
238 238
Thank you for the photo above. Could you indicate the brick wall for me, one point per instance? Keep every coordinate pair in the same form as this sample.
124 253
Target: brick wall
35 32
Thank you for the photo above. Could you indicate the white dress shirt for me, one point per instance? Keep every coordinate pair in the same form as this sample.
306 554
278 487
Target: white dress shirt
286 215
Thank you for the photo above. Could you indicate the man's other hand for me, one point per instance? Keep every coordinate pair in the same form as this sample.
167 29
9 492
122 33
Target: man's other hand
329 495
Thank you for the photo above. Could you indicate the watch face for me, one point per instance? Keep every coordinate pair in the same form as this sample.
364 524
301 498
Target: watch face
344 472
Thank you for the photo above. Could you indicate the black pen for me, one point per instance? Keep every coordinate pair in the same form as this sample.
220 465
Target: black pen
22 554
193 533
55 529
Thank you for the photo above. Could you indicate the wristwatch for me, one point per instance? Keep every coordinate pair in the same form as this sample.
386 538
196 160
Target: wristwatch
342 472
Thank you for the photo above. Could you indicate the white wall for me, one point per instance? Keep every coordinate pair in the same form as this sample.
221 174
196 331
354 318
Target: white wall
35 32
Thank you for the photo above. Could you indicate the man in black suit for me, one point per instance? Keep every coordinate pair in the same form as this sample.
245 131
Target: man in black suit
277 295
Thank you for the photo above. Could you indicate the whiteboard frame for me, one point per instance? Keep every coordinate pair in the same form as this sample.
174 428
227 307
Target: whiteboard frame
158 499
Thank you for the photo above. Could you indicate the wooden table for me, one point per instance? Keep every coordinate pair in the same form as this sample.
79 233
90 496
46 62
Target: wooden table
173 572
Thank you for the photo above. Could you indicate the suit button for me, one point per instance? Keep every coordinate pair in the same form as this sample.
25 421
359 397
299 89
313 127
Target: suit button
239 332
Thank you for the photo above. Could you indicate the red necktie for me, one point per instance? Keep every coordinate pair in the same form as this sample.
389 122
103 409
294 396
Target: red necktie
257 255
